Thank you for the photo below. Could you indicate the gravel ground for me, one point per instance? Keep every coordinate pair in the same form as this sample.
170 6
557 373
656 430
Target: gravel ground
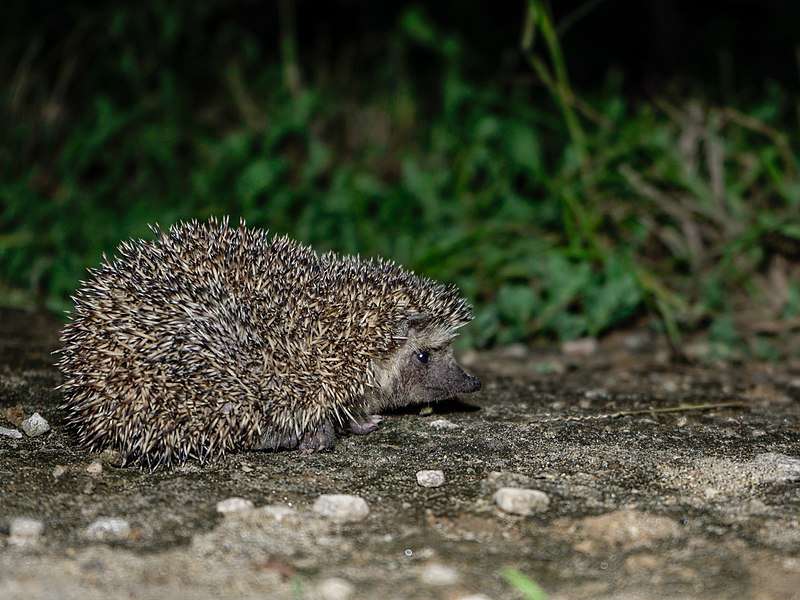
686 504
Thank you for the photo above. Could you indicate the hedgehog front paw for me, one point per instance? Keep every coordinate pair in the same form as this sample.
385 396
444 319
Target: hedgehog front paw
274 440
319 439
368 425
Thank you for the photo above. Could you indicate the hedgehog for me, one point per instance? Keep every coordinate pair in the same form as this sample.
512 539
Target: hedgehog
214 338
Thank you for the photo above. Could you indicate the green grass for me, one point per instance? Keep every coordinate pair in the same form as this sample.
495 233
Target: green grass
527 587
560 216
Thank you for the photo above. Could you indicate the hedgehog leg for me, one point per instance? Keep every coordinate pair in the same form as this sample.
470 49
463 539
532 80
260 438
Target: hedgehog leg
365 426
273 440
321 438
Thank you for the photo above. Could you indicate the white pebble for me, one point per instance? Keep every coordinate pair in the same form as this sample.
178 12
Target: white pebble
334 588
95 468
518 501
474 597
232 505
108 529
595 394
341 507
436 574
514 351
430 478
279 512
35 425
24 531
12 433
579 348
443 424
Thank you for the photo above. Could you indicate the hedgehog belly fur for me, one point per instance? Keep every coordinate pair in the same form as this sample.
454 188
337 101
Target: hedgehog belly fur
210 337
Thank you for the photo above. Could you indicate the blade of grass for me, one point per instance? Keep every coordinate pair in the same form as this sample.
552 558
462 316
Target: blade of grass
539 15
524 584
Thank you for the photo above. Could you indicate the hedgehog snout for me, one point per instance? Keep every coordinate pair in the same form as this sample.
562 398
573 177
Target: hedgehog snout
473 384
462 382
469 383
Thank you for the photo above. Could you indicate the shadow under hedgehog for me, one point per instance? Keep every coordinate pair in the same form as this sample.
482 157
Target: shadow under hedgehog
212 339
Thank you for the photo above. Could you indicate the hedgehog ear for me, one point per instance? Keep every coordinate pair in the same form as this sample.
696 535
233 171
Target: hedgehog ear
411 323
417 321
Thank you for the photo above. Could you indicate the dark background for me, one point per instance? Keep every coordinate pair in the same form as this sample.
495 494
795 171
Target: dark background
718 48
639 167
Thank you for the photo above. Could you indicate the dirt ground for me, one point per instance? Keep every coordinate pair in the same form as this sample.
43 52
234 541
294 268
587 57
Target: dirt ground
686 504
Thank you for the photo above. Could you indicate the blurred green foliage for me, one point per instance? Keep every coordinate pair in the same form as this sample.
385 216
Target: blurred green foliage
558 215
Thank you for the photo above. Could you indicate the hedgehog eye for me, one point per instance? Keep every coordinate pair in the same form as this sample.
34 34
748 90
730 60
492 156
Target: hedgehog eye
423 356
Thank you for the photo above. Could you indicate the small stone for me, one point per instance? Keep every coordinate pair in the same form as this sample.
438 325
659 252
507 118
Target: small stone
95 468
579 348
697 350
111 457
35 425
519 501
334 588
436 574
279 512
756 506
636 341
514 351
627 529
341 507
59 471
638 563
585 547
442 424
662 357
474 597
670 386
108 529
12 433
14 415
233 505
430 478
24 531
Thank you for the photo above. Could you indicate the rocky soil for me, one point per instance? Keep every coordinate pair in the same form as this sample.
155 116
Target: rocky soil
544 474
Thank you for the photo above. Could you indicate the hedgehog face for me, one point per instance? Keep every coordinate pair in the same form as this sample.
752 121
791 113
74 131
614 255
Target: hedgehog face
423 370
432 374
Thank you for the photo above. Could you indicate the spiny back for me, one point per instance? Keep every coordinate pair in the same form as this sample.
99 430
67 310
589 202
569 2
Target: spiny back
204 339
